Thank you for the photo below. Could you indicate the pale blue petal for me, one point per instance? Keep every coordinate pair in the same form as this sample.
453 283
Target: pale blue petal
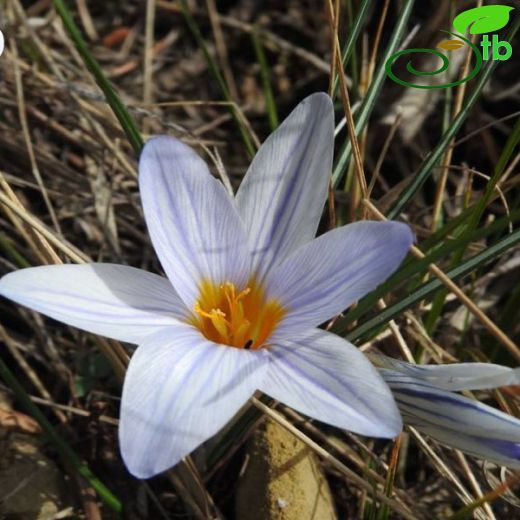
455 420
282 195
456 376
325 276
179 390
193 223
327 378
117 301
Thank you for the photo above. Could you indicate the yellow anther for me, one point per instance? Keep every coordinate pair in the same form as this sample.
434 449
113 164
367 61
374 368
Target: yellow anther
218 318
244 293
200 311
242 319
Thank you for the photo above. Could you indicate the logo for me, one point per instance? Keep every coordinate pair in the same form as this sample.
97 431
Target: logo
480 20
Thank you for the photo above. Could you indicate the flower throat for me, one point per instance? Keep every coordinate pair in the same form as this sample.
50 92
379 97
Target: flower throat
239 318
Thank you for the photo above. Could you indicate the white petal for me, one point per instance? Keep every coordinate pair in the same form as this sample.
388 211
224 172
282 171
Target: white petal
327 378
282 195
455 420
193 223
456 376
117 301
325 276
180 389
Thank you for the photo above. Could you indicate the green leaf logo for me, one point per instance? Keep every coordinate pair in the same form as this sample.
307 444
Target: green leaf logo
480 20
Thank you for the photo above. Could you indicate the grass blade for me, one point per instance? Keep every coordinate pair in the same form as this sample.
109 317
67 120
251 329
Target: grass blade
429 288
419 267
195 31
372 95
69 456
351 41
433 157
266 80
112 97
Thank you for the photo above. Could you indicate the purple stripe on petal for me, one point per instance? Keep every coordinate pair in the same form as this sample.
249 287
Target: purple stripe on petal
455 376
326 275
506 448
455 420
180 389
117 301
288 205
318 383
452 400
282 195
193 223
326 373
290 370
326 378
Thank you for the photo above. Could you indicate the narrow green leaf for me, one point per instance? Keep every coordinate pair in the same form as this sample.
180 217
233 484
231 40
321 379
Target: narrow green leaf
12 253
414 267
350 44
266 80
69 456
113 99
429 288
195 31
476 215
433 157
372 95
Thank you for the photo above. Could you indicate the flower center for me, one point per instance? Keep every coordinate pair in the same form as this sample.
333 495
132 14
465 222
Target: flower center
239 318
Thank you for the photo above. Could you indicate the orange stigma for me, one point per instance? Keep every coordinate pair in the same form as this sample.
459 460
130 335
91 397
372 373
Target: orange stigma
239 318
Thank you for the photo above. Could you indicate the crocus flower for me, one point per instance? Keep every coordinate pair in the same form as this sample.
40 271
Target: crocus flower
425 395
247 284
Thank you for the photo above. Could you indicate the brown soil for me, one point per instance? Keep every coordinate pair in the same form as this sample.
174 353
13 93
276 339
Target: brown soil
283 480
